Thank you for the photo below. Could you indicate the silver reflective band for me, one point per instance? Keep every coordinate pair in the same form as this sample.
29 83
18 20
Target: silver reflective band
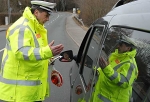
118 66
132 67
114 76
20 82
21 25
123 78
104 99
18 26
129 73
3 64
35 40
6 57
7 45
37 53
25 50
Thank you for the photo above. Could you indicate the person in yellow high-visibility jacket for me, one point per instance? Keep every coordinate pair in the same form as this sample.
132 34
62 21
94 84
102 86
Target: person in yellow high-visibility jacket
116 77
24 69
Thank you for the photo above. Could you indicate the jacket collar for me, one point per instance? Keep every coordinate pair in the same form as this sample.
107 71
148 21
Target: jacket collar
28 15
130 53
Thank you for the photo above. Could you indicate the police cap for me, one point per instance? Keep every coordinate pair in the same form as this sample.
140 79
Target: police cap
44 5
127 40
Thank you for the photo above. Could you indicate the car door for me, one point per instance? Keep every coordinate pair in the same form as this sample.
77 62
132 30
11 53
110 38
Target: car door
82 86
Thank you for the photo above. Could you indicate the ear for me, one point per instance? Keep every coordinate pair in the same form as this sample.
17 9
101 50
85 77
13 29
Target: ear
36 12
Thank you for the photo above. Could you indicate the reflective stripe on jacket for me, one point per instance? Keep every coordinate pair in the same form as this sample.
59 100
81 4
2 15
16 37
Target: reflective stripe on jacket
24 69
115 81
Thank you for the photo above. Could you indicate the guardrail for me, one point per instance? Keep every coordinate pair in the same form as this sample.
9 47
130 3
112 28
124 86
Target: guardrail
79 20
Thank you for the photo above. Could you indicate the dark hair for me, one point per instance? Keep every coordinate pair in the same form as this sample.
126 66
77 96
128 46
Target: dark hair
36 7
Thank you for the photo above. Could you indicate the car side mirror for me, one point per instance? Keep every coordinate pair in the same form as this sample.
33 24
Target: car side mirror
67 56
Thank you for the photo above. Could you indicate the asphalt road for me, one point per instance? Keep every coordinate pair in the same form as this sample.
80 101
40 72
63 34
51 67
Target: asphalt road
56 31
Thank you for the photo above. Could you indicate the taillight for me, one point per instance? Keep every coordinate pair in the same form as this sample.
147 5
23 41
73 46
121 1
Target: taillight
54 79
78 90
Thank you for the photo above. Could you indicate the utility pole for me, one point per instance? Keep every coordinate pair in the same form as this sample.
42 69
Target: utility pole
8 2
9 11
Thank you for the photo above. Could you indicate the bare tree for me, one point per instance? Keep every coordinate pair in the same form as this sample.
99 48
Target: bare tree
93 9
3 6
90 9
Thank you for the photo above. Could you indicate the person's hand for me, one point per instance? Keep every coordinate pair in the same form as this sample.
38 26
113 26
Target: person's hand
56 49
103 63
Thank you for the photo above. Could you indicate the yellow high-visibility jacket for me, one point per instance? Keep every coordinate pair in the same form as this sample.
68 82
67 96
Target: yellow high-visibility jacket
24 69
115 81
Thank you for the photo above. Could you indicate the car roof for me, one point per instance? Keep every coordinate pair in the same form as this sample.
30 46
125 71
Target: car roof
139 6
135 14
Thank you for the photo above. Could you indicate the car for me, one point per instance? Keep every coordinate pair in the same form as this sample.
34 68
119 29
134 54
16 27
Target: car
131 19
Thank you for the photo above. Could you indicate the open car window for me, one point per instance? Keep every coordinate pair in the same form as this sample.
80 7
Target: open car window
91 53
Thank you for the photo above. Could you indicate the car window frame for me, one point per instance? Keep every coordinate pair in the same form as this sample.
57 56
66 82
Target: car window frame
85 50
